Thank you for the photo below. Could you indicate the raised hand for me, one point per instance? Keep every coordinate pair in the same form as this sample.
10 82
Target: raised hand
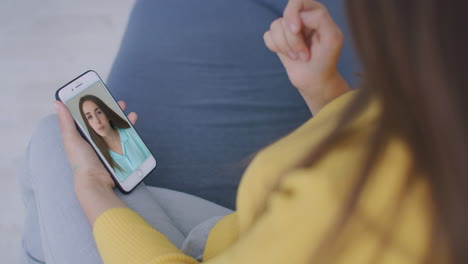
308 43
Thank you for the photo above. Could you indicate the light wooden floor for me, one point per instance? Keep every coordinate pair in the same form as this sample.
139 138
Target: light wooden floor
43 44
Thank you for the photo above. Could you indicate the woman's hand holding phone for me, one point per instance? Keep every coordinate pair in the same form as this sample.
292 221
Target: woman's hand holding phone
93 183
308 43
86 166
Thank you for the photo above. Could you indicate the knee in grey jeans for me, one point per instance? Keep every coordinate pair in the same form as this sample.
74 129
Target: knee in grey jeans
56 229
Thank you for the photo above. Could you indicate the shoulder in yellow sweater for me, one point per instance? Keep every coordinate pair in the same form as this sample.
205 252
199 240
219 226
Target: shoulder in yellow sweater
310 199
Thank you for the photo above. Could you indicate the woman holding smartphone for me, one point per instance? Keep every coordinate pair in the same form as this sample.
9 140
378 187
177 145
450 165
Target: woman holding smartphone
113 136
378 175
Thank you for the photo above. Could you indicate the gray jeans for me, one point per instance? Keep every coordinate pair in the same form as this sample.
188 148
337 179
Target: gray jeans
56 229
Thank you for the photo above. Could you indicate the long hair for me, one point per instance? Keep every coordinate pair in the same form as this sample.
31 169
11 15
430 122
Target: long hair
414 56
115 122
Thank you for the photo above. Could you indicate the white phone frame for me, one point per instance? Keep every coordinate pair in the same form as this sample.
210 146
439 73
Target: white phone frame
77 86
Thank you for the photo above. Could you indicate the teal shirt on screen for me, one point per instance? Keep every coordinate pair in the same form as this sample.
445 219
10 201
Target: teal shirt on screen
134 153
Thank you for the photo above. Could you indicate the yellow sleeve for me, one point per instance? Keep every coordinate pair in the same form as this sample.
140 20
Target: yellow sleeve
291 227
122 236
222 236
296 220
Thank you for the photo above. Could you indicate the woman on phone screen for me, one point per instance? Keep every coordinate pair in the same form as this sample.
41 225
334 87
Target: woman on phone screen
116 140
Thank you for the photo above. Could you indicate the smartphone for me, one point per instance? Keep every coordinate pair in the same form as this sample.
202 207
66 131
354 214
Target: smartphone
102 123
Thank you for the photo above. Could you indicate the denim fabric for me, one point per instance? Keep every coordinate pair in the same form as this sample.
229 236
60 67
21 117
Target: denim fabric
56 228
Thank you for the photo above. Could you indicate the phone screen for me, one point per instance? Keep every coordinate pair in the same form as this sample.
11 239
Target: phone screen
103 122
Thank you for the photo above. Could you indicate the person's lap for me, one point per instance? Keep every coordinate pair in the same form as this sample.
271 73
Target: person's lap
208 91
56 228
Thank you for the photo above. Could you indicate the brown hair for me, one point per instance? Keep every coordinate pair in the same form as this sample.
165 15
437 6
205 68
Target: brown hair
115 121
414 55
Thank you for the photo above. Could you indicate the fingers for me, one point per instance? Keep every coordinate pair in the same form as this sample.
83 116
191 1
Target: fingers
316 24
294 8
291 15
269 42
122 105
280 39
287 34
296 43
320 21
133 117
67 124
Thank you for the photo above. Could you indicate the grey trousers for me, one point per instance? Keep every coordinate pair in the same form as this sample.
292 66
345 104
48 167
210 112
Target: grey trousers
56 229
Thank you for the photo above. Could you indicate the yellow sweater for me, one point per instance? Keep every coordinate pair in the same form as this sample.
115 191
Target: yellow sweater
299 215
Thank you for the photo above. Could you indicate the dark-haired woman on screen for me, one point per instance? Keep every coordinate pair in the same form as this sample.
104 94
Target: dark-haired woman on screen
116 139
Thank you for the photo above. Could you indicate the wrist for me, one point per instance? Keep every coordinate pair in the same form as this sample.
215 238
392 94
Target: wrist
96 197
92 179
85 186
329 90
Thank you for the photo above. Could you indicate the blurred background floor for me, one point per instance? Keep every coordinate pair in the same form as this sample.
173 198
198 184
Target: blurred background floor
43 45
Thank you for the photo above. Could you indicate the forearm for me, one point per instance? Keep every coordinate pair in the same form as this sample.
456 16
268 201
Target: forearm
332 90
96 198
